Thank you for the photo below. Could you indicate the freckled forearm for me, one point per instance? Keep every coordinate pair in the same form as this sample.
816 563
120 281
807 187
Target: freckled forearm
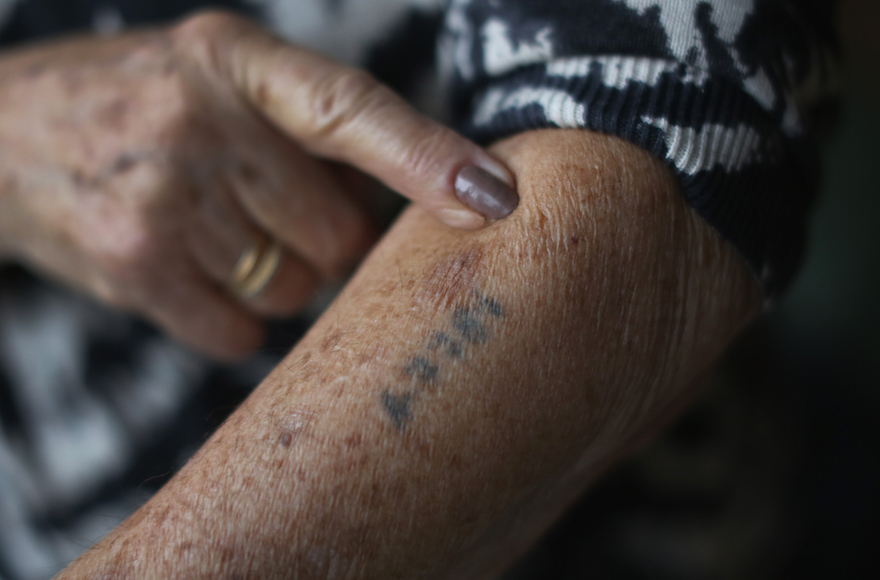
462 388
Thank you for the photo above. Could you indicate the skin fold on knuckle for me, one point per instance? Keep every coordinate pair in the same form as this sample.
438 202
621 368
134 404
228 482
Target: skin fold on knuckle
426 154
206 36
338 101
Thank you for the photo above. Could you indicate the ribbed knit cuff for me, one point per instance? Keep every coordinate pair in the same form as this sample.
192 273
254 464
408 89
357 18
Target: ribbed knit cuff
735 167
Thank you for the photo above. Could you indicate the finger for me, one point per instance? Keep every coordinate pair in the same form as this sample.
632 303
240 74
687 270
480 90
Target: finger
195 311
222 233
345 115
296 200
290 289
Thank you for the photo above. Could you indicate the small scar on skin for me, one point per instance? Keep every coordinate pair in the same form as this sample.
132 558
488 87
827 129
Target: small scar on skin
293 427
398 408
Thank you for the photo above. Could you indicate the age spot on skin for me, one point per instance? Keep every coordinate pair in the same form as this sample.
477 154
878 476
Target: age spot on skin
293 427
125 162
398 408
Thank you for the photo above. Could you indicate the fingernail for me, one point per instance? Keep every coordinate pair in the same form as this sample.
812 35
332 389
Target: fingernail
484 193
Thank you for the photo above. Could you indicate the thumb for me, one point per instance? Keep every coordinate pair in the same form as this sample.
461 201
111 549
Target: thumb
344 114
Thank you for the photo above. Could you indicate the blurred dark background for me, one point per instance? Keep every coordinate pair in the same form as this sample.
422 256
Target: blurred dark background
774 473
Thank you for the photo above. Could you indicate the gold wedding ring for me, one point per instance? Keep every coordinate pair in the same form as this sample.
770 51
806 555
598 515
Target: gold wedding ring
255 268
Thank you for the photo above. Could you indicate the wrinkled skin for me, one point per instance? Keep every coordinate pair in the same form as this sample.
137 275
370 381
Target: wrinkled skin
140 168
462 389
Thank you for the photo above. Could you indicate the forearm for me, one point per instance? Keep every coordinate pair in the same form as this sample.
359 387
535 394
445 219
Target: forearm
459 378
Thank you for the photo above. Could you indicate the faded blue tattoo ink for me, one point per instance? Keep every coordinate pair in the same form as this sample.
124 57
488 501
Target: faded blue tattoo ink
398 408
442 340
422 369
467 327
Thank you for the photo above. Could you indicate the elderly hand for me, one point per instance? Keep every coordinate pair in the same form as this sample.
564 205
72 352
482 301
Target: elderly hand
173 172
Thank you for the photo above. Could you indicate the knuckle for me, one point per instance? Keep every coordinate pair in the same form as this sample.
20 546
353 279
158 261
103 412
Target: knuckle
342 96
185 133
174 112
181 137
423 157
208 25
206 36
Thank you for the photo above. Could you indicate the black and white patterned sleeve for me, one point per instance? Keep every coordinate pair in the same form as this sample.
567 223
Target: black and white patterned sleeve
727 92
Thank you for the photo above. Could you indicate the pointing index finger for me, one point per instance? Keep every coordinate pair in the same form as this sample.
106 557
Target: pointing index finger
344 114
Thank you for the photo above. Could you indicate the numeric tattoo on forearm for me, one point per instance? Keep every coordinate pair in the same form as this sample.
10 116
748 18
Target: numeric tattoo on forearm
468 326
